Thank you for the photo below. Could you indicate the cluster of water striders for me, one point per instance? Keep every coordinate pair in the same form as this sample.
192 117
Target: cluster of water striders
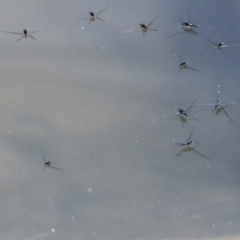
184 115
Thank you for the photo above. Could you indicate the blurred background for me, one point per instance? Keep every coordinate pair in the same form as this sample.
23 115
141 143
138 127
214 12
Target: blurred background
92 100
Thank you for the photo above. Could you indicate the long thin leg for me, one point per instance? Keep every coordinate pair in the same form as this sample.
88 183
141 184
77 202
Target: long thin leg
189 108
189 18
132 30
190 30
43 158
20 38
151 29
31 37
101 11
200 154
44 162
179 153
192 68
18 33
227 115
56 168
175 34
152 21
194 118
212 42
100 19
190 135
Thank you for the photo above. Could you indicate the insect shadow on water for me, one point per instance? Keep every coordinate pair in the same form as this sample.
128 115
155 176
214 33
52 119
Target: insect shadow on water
144 28
184 65
184 115
221 45
94 16
218 107
49 164
24 34
188 27
189 146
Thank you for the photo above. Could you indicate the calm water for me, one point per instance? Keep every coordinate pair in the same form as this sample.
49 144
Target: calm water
91 99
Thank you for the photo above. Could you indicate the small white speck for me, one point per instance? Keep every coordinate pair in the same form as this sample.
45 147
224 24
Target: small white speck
89 190
82 27
53 230
103 47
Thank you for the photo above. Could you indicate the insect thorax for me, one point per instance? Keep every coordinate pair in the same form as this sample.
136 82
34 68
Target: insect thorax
183 65
187 143
182 113
143 26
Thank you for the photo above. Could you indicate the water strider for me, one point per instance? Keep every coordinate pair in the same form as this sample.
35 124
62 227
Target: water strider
95 16
221 45
183 114
189 145
184 65
49 164
188 27
25 34
219 107
144 28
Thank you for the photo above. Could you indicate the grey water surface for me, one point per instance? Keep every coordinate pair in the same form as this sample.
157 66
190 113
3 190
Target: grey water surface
93 100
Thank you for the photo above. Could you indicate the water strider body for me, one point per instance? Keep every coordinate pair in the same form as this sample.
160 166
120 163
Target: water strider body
184 65
221 45
188 27
190 145
184 114
49 164
218 107
25 34
144 28
95 16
